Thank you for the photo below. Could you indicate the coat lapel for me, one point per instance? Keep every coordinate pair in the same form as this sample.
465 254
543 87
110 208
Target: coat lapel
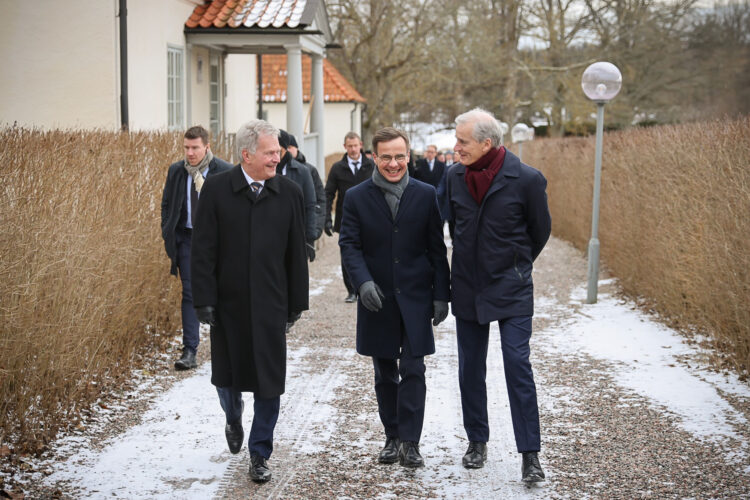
378 199
406 199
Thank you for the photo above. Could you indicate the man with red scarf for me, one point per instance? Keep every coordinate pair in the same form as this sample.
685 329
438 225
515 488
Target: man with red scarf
502 222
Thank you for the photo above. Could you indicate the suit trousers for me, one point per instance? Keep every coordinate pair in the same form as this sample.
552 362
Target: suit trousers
265 415
401 402
473 340
190 324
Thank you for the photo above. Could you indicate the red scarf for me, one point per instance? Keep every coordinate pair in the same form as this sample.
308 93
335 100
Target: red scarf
479 174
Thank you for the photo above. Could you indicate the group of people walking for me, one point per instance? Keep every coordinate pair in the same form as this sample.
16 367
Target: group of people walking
242 254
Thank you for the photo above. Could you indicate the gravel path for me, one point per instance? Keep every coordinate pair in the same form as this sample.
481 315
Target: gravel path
600 439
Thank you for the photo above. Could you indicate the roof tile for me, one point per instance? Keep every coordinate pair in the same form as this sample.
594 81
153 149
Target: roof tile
247 13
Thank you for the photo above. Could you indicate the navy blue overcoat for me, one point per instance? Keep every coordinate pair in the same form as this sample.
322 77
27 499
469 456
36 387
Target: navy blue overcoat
405 257
495 243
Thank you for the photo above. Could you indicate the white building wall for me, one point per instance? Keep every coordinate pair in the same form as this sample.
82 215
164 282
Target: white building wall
59 71
199 87
242 90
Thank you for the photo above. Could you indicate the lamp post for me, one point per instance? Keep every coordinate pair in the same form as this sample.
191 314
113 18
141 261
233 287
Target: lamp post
601 82
520 134
504 130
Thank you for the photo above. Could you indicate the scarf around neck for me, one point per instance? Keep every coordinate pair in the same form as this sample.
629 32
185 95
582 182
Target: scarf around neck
392 190
197 172
479 175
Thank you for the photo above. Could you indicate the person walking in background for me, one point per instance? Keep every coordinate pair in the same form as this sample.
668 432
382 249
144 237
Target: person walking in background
178 209
352 169
320 191
300 174
429 169
392 246
250 279
502 223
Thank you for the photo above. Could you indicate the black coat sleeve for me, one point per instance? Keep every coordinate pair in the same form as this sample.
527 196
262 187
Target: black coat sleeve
296 259
205 247
538 221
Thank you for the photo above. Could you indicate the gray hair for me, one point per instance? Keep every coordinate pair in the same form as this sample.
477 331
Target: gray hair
248 134
485 126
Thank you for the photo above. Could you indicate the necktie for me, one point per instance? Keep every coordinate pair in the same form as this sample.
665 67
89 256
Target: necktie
356 167
193 203
255 188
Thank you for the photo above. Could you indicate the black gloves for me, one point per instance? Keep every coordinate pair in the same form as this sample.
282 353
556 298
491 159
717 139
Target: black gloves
206 315
310 249
371 296
291 319
328 228
440 311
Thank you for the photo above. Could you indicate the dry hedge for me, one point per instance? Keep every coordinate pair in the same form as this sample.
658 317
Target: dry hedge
84 279
674 223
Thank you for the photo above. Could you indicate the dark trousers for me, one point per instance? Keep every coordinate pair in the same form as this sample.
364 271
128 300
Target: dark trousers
190 336
265 415
401 402
347 280
473 339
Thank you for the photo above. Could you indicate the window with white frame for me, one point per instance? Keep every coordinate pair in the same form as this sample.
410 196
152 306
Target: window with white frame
175 101
214 96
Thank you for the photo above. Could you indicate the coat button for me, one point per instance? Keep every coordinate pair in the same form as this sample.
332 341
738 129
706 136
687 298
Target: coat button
396 260
398 290
395 229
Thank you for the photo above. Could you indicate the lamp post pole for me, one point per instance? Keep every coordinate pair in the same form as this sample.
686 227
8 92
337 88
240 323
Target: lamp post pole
594 241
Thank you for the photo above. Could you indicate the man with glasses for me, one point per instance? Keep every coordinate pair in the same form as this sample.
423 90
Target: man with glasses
392 245
352 169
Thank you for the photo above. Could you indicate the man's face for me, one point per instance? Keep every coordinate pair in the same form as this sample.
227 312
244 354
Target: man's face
392 158
195 150
430 153
261 165
353 148
468 149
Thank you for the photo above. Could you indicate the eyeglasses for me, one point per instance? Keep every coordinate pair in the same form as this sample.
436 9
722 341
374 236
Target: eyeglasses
387 158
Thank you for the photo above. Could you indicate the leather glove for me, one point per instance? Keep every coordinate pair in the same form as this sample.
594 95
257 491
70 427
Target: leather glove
206 315
310 249
328 228
440 311
291 319
371 296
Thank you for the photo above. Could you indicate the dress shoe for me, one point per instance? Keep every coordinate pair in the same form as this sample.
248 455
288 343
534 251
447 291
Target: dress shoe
475 455
259 471
186 361
235 435
389 453
350 298
531 470
408 455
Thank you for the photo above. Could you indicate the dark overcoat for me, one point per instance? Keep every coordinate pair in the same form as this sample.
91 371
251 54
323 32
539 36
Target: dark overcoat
405 257
249 262
495 243
173 199
340 179
422 171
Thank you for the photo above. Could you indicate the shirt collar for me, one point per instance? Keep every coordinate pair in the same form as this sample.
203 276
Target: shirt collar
249 179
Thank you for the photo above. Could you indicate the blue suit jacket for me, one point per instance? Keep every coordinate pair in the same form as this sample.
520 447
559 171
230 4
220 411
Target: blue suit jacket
406 257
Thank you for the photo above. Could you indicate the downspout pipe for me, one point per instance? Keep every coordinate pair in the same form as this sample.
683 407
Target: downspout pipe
123 15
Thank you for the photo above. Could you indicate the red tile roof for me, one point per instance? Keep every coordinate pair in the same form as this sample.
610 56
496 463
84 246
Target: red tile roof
336 88
247 13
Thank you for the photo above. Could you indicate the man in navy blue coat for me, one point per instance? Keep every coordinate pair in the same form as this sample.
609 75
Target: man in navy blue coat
502 222
392 247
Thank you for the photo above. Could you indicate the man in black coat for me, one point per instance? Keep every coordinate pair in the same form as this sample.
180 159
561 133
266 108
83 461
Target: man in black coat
429 169
392 245
249 280
502 222
352 169
178 209
320 190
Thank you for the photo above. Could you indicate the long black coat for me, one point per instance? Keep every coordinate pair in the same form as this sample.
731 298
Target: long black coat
173 198
405 257
422 172
249 262
495 244
339 180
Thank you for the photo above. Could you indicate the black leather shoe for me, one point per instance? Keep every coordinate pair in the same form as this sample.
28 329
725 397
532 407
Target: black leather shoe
259 471
235 436
475 456
350 298
389 453
531 470
408 455
187 360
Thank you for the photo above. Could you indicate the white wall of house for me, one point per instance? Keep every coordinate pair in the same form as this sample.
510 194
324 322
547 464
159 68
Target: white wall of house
242 90
338 120
60 64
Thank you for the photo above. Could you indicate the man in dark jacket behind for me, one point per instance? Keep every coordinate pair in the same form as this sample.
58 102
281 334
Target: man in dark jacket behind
349 171
502 223
429 169
320 191
178 209
250 280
